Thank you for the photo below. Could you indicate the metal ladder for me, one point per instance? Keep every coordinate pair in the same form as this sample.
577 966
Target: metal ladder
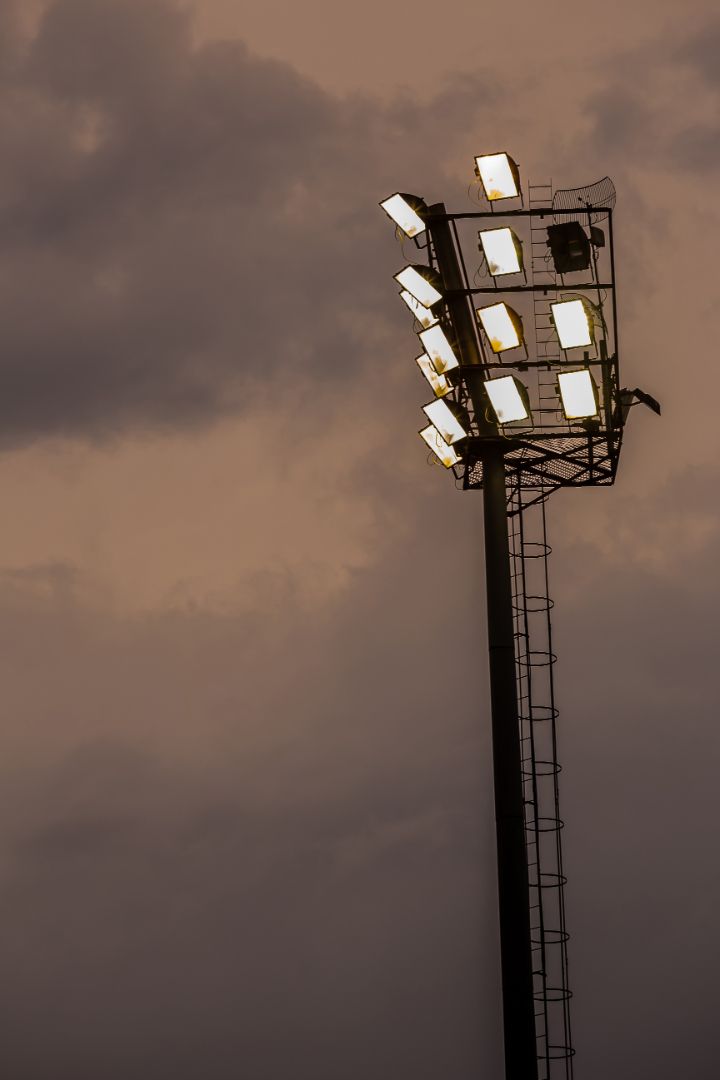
534 662
543 274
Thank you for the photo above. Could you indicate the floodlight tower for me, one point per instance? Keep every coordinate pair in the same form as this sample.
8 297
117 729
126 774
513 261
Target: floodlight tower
523 362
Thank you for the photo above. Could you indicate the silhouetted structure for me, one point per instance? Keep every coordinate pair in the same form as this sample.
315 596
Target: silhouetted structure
523 357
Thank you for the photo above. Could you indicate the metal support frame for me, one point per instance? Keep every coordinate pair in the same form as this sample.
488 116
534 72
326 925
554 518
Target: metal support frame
554 452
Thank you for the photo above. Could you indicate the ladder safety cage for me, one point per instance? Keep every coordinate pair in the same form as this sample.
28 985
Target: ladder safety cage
537 717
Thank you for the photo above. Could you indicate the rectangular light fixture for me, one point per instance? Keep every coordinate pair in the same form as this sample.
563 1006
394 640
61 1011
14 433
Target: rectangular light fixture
579 395
438 382
439 349
572 323
508 398
403 210
423 315
418 282
499 176
503 251
446 420
502 325
569 247
442 451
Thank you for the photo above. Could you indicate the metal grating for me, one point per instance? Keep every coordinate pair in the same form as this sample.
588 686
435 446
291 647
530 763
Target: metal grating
600 196
546 464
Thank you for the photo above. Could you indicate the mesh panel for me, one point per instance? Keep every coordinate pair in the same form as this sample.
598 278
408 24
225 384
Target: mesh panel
600 194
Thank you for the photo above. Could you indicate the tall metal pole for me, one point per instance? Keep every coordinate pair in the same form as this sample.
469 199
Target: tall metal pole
513 887
513 890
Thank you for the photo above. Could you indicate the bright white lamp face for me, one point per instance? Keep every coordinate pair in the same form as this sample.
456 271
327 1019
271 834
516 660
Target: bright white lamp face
445 421
501 252
402 214
418 286
438 382
506 399
578 393
499 327
497 177
439 349
572 324
445 453
423 315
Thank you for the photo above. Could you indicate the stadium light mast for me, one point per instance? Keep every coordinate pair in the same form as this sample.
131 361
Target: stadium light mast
526 401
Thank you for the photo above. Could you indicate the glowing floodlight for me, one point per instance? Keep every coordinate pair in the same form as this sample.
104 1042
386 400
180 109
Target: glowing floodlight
423 315
502 325
442 450
420 282
503 251
573 323
438 382
509 399
499 175
439 349
405 211
569 247
578 391
448 419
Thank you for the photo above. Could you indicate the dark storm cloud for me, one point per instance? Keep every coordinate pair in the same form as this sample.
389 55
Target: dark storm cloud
179 224
141 194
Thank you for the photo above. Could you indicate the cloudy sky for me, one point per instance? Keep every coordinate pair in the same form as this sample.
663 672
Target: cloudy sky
246 799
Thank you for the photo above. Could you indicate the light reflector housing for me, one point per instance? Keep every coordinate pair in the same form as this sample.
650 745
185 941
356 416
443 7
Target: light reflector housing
439 349
503 251
502 325
403 210
572 323
448 421
578 392
509 399
438 382
423 315
419 282
442 450
499 176
569 247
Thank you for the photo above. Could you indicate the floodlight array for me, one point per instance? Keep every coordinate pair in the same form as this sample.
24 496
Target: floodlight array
449 418
579 395
507 400
438 382
420 283
441 353
569 247
406 212
502 326
423 314
502 250
573 323
499 176
446 454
